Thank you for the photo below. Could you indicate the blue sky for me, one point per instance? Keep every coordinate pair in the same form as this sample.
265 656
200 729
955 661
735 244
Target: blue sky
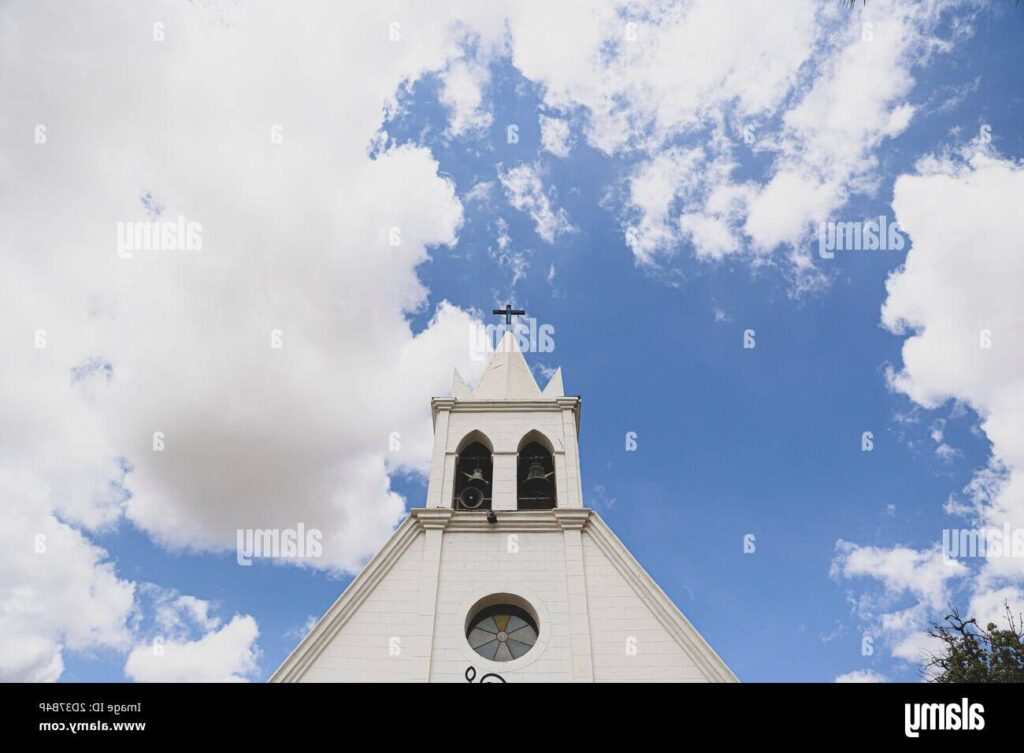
730 440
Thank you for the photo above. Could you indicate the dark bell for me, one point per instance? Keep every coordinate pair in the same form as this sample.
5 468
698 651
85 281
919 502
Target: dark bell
471 498
536 471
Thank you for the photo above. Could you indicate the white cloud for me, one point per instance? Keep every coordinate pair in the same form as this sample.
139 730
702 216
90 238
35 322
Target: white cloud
291 243
902 571
710 235
862 676
555 136
840 79
989 605
298 632
545 370
629 78
225 655
654 190
782 210
296 240
177 614
524 190
957 291
515 261
462 92
919 579
295 235
955 300
959 284
58 591
503 238
943 451
481 192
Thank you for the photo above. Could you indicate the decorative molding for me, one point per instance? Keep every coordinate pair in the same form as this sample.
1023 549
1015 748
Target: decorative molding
571 518
574 404
508 521
438 404
432 517
579 601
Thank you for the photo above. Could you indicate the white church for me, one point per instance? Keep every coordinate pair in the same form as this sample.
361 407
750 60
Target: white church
504 575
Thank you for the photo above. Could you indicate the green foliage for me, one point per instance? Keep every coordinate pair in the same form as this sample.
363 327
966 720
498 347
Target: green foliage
972 654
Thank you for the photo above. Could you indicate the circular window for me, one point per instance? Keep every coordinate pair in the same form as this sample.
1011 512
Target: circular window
502 632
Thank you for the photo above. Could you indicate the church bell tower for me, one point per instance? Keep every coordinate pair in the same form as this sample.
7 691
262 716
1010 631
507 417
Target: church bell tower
504 575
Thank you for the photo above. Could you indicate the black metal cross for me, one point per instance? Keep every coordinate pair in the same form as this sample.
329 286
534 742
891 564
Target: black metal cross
508 312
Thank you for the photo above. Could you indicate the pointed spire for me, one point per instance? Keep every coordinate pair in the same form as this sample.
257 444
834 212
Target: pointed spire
507 377
459 389
554 388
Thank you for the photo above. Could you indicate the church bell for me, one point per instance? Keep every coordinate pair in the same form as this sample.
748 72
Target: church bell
536 471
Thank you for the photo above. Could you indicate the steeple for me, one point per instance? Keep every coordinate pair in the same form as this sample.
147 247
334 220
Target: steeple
506 445
508 376
503 572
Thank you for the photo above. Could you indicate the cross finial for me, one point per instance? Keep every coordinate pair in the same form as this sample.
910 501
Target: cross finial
508 312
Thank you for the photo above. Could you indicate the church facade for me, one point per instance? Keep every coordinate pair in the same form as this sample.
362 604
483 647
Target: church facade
504 574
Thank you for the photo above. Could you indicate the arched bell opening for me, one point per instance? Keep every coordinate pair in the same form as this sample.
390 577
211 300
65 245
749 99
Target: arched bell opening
474 471
535 478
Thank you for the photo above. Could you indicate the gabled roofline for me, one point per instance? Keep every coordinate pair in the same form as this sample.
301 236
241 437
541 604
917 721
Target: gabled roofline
310 647
420 519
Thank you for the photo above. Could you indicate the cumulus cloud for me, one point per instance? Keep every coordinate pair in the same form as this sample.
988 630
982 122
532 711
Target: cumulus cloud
955 300
989 605
255 382
252 382
912 586
922 575
463 92
225 655
175 614
815 88
59 591
654 189
525 191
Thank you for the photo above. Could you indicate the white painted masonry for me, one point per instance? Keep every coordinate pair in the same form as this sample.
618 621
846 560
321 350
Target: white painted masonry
600 616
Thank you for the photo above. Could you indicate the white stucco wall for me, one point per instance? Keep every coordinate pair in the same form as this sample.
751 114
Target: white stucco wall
591 617
618 619
361 651
474 565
